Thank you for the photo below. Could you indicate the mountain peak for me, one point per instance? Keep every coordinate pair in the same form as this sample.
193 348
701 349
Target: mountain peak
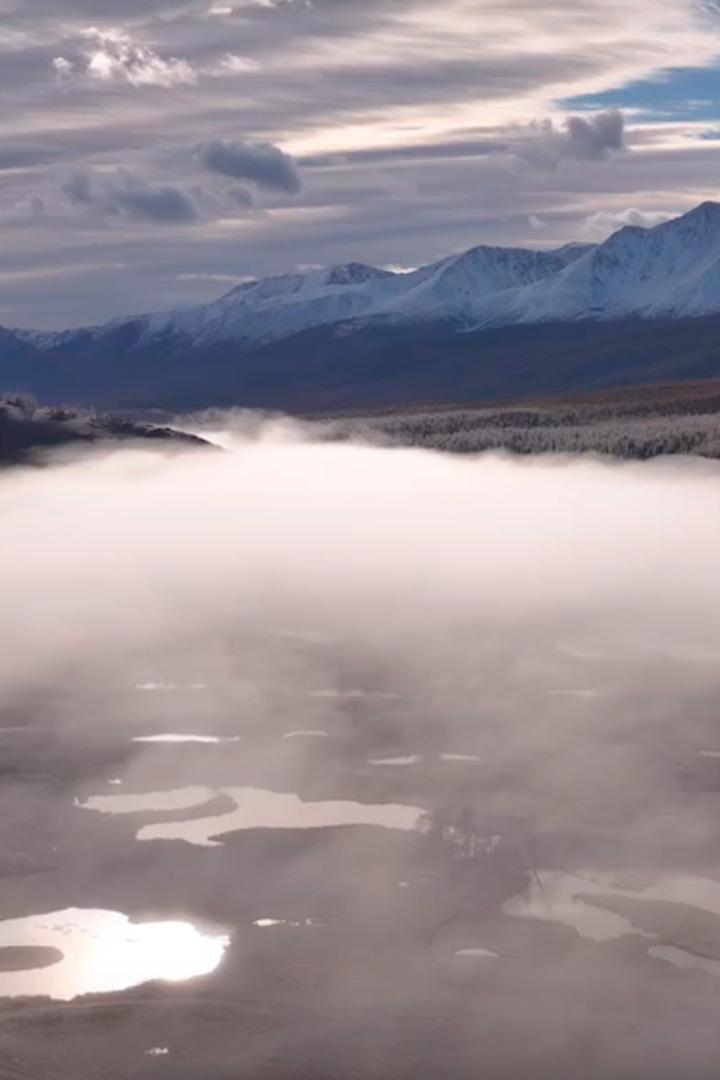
705 216
705 209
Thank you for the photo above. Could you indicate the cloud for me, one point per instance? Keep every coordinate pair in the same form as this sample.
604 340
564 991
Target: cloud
232 64
113 56
604 222
209 276
594 137
33 206
582 138
63 67
165 205
406 110
260 163
131 197
241 196
77 189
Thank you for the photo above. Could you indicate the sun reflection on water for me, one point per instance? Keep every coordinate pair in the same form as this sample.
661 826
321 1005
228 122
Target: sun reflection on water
104 951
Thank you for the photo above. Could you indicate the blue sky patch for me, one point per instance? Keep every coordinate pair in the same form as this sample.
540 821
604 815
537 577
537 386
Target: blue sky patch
685 94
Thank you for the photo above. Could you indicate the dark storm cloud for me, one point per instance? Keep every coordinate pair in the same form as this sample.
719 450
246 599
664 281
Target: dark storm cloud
131 197
584 138
596 136
165 205
260 163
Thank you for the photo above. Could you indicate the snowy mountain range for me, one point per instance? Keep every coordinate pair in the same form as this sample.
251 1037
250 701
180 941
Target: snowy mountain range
299 324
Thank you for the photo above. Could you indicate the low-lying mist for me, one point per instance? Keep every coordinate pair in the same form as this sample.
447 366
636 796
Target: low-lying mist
482 590
531 644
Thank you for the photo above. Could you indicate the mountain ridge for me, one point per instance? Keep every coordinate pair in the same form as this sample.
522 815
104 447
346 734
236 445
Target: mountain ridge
298 336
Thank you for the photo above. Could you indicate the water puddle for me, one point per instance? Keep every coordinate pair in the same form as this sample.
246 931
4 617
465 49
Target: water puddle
709 753
350 694
681 958
150 686
568 899
158 1051
267 924
173 738
257 808
310 734
574 693
472 953
411 759
460 757
148 801
104 951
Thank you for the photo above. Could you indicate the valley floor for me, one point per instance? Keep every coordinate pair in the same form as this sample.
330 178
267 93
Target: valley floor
369 953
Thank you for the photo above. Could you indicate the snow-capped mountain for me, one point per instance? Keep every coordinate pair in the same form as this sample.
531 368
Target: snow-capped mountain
270 309
305 338
672 270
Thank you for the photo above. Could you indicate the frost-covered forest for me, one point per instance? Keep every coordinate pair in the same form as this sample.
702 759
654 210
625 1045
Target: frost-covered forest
643 427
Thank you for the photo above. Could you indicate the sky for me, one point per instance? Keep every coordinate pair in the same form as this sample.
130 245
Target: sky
155 152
